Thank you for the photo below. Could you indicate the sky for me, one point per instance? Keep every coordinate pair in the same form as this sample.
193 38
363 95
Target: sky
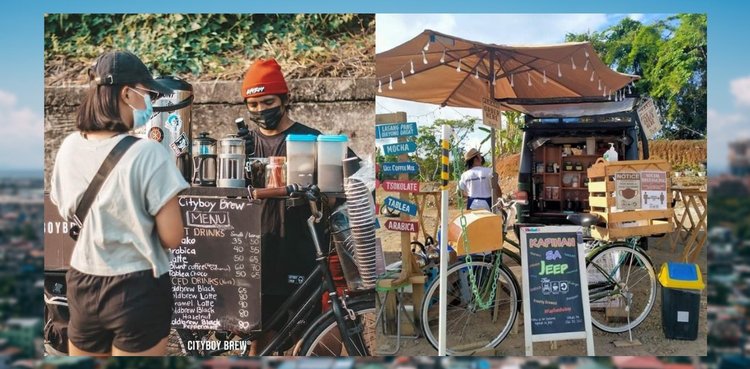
21 39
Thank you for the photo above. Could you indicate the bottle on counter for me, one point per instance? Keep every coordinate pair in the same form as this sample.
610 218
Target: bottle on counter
611 154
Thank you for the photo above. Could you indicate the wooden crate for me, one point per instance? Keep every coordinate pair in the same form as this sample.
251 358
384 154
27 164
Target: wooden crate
629 223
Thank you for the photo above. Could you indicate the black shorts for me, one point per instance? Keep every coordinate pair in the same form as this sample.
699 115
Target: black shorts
132 312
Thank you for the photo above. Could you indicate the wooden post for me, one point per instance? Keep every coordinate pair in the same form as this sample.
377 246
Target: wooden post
409 265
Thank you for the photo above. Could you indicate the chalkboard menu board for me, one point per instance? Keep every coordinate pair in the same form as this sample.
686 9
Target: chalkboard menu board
555 291
216 270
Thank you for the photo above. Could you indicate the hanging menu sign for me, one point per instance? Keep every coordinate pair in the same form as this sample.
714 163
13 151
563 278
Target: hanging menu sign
216 270
555 291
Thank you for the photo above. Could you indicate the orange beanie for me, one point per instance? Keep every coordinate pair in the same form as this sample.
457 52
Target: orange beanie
264 77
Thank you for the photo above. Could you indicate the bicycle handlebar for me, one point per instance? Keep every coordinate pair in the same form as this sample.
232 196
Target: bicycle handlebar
311 192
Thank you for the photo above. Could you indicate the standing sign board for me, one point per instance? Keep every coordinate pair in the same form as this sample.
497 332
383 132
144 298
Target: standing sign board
491 113
649 117
216 271
555 290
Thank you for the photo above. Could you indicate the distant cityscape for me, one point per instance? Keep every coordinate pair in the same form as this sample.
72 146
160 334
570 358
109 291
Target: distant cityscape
21 268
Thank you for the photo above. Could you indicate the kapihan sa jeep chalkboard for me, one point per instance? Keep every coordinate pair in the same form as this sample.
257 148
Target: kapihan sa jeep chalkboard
555 292
216 270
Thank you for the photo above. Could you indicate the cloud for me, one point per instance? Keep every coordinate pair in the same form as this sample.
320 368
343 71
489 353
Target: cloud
7 99
395 29
22 134
723 128
740 88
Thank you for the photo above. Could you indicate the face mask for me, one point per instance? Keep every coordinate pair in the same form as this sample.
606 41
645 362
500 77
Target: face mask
141 116
267 119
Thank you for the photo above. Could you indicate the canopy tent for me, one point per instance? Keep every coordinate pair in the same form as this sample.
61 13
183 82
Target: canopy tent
440 69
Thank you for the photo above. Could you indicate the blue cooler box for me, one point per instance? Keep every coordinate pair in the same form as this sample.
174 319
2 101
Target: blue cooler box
680 300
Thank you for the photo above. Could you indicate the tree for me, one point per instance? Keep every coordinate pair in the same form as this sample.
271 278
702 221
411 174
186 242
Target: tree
671 57
428 146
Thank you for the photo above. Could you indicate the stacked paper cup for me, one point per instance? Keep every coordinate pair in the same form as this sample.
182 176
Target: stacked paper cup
362 221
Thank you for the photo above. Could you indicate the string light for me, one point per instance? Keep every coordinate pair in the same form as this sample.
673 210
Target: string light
511 80
545 76
586 53
529 75
600 85
559 72
586 66
412 66
427 45
629 91
458 67
592 76
380 87
476 74
424 57
403 80
390 83
442 58
494 79
604 94
572 63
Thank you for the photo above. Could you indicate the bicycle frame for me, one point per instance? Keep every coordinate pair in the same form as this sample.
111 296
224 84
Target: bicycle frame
321 271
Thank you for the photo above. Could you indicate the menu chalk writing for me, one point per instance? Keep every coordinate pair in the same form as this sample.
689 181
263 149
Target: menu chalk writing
555 290
216 270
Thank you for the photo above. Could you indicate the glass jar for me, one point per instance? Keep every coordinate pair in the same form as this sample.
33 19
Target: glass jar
276 172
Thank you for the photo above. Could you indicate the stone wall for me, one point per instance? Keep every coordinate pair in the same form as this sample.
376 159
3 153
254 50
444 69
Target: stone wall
331 105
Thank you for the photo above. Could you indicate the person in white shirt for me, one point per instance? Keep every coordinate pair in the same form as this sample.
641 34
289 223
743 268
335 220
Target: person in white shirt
476 182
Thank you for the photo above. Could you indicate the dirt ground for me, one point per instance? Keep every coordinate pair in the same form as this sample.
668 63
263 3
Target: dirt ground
649 332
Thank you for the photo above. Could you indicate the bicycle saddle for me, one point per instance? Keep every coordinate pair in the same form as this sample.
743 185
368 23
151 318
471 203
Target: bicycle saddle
584 219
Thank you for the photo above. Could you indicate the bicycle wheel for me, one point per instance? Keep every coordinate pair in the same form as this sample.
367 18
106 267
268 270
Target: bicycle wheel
472 328
622 287
324 339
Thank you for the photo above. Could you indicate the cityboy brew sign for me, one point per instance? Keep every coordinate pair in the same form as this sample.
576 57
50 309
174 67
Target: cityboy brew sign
555 292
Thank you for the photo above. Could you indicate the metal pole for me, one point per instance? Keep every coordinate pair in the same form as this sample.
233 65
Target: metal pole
444 176
492 130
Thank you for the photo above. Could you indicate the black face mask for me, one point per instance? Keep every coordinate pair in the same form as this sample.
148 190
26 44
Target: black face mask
267 119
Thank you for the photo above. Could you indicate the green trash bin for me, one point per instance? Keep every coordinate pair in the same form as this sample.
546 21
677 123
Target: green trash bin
682 284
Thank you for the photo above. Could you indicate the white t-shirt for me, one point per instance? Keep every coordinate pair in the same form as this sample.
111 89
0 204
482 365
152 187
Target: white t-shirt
118 234
477 182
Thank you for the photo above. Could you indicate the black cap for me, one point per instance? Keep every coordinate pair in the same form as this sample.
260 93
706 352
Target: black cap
124 68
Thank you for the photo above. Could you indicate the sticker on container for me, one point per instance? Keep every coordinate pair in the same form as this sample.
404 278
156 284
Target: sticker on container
174 123
156 134
683 316
179 146
295 279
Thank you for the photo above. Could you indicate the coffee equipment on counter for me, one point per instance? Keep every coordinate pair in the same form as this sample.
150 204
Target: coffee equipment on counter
276 172
331 154
300 159
256 172
171 124
204 161
231 162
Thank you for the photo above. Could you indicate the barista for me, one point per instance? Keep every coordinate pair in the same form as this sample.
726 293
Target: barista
476 182
287 255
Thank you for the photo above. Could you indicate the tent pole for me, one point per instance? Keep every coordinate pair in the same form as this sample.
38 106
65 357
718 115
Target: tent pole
492 130
443 303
